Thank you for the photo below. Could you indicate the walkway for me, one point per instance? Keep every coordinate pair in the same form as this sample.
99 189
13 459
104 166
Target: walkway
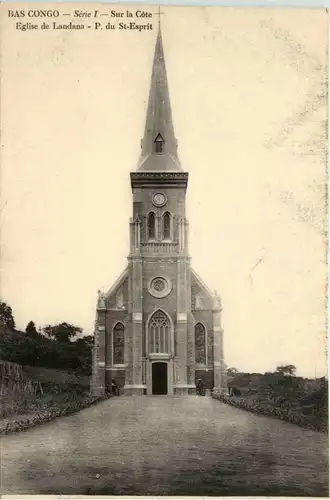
168 446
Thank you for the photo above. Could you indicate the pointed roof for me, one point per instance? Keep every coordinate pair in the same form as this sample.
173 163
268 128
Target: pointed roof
161 157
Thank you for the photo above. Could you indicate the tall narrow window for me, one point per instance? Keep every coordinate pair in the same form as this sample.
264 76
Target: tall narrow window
166 226
159 333
159 144
198 301
159 147
119 344
151 226
181 234
200 347
119 299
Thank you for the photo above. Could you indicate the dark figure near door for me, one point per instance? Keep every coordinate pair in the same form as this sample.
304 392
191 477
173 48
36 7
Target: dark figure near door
200 387
114 387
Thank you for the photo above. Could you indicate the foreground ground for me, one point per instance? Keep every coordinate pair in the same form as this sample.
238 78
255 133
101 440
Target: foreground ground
165 446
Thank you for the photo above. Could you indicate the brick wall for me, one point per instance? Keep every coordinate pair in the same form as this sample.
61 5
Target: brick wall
123 288
168 269
112 317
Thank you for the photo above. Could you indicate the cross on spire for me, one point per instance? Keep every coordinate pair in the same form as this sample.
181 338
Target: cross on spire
159 123
159 13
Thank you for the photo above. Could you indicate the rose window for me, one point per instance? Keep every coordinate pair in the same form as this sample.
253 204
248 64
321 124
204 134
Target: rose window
159 287
159 284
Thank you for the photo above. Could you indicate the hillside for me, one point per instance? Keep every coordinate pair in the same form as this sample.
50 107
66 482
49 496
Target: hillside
26 389
303 401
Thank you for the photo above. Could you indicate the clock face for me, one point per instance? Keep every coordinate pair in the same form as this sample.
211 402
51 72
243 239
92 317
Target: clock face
159 199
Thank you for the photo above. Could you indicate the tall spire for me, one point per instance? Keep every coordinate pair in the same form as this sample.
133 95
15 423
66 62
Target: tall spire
159 145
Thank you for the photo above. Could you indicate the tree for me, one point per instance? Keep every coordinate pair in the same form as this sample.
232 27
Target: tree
86 342
31 330
232 372
83 350
62 332
56 346
286 370
6 315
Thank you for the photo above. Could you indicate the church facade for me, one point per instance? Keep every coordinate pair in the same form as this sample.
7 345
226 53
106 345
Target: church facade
158 328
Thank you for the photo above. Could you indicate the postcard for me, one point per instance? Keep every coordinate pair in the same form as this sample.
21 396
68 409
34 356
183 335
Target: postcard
163 309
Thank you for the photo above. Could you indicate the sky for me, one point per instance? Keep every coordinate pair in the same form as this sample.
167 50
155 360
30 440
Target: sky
250 114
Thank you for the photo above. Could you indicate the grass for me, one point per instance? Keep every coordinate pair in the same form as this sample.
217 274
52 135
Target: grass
19 404
301 401
59 389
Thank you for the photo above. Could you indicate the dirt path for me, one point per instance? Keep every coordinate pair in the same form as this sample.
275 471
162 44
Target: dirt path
165 445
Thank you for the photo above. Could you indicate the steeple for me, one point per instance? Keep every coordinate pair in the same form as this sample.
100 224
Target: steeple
159 145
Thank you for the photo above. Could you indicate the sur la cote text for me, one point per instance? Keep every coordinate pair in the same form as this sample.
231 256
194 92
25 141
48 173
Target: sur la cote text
77 13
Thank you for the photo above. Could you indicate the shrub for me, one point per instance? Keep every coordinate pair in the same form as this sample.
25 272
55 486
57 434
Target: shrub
295 416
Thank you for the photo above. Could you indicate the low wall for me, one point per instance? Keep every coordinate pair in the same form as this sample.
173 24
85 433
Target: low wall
25 422
293 416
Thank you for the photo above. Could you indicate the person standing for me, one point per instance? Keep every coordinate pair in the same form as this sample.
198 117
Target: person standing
114 387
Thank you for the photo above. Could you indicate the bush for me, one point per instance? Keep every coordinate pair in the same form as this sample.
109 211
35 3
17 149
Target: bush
293 415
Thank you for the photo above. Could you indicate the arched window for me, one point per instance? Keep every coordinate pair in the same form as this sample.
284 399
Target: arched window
151 226
119 299
200 347
119 344
198 301
159 333
166 226
159 144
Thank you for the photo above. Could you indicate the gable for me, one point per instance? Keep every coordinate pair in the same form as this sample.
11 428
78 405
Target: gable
117 296
201 295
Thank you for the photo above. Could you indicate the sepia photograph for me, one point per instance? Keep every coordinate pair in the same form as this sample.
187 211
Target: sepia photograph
164 239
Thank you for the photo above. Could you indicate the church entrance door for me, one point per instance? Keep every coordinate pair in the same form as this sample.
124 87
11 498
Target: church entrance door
159 378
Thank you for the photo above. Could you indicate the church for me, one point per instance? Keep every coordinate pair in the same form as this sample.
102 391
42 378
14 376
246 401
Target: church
158 328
